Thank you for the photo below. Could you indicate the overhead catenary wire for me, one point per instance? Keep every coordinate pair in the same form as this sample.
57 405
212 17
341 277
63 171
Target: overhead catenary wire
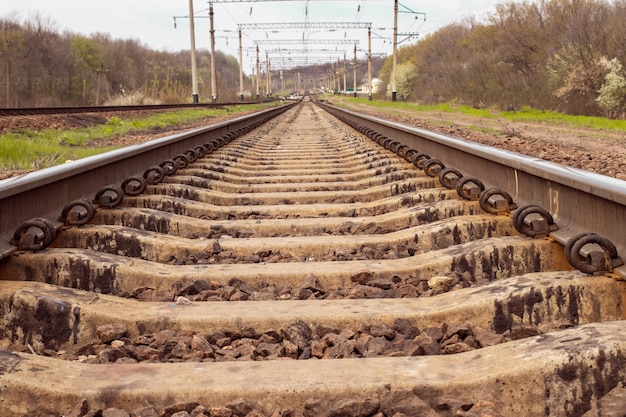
307 11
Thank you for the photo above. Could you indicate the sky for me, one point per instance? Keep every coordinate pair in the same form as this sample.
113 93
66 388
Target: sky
152 22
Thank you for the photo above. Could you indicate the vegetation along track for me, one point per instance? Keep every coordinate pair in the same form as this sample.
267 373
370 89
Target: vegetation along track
311 261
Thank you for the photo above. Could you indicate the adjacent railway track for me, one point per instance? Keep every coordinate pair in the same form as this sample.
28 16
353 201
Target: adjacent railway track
34 111
310 261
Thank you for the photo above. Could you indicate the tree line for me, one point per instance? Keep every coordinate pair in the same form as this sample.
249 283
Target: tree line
563 55
40 66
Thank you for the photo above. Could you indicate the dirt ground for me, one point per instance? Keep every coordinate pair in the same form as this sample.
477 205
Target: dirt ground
603 152
599 151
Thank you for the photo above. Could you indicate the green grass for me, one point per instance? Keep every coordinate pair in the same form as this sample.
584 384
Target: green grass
525 114
31 149
600 123
35 150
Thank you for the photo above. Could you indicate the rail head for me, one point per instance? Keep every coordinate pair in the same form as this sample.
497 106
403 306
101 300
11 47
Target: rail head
579 201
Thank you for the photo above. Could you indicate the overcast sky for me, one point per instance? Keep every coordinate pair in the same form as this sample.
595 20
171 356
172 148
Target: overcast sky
152 21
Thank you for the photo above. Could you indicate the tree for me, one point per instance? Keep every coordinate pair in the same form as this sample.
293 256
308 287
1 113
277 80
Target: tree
542 53
612 97
11 43
579 39
522 31
69 65
406 73
575 82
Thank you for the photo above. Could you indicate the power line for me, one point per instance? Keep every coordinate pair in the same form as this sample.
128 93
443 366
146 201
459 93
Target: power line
307 41
259 1
304 25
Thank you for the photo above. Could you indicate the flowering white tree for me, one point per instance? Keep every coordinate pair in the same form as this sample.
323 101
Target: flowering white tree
406 72
612 94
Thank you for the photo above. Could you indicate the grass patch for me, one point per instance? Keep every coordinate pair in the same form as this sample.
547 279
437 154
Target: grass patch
525 114
588 122
31 149
26 152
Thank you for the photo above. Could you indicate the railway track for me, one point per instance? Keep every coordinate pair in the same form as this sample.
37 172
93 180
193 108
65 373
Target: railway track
311 261
34 111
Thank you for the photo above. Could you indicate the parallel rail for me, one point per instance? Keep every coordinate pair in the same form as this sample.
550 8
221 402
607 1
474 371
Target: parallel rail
34 111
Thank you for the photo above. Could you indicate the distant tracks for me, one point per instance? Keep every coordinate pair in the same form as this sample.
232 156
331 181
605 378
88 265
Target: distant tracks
31 111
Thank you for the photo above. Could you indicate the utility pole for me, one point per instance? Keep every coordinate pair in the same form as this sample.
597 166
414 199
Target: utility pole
369 64
395 51
240 67
213 74
329 74
8 83
345 86
339 74
354 68
102 72
267 75
84 92
394 71
8 44
258 78
269 79
192 41
194 67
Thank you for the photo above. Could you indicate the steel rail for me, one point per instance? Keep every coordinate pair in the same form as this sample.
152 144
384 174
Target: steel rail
44 193
33 111
579 201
